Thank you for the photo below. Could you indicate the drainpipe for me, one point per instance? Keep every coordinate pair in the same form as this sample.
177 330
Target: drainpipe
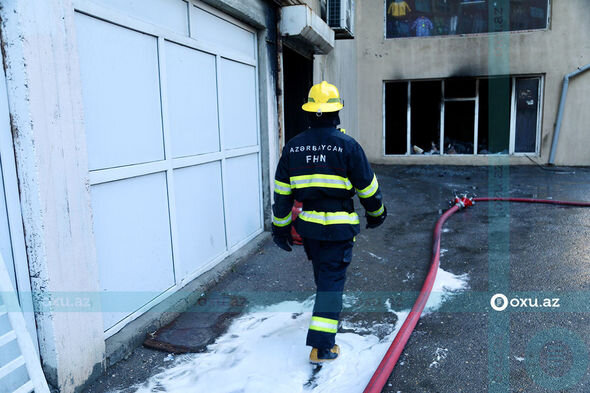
566 82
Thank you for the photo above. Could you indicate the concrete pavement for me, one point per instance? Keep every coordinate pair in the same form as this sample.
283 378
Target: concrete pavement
523 251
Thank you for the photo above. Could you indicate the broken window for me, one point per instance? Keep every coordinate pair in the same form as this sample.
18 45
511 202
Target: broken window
496 115
460 97
425 116
418 18
494 111
396 112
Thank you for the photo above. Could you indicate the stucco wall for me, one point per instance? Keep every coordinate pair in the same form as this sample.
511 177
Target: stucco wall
339 67
554 52
44 94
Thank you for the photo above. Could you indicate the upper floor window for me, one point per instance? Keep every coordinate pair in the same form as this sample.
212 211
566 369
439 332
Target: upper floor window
419 18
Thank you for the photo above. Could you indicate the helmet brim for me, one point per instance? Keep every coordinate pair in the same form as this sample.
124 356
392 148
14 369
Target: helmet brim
322 107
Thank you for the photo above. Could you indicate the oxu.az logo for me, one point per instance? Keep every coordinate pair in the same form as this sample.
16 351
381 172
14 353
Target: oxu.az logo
500 302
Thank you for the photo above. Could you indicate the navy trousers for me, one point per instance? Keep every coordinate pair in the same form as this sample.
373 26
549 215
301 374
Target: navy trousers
330 260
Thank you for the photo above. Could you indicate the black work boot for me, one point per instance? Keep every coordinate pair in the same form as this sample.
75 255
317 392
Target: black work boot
324 355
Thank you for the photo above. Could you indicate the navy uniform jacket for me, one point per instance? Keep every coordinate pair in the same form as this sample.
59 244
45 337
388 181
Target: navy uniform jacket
323 168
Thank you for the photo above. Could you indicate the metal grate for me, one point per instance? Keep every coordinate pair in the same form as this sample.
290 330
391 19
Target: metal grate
334 9
20 368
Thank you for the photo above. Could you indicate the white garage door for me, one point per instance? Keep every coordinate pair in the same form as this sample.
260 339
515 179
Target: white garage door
171 122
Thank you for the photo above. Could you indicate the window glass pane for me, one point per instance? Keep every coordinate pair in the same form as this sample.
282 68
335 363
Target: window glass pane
527 95
460 88
528 14
425 128
419 18
396 118
459 121
494 115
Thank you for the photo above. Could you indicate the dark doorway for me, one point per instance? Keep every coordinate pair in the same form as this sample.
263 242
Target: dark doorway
297 79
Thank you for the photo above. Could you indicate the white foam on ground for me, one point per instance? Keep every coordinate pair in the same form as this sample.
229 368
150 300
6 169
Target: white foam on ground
445 285
264 351
375 256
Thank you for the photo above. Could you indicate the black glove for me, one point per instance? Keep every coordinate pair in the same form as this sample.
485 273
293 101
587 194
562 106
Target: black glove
283 239
374 222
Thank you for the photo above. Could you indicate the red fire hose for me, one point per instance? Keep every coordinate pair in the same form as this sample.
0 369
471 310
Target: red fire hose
390 359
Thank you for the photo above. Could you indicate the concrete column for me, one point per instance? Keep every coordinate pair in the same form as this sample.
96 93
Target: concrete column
45 100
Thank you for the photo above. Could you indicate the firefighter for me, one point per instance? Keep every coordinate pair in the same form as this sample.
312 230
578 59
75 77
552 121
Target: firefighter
323 168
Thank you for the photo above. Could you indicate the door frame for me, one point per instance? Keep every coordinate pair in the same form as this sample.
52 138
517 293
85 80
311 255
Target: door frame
13 208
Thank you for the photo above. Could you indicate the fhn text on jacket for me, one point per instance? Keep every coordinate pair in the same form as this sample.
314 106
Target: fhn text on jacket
324 168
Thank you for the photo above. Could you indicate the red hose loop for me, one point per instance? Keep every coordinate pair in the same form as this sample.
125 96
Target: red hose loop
385 368
393 353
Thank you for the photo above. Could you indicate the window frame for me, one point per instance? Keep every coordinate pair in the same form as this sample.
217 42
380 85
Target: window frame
476 100
547 26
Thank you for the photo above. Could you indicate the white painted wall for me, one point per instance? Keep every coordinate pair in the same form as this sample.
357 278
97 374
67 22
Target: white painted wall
45 104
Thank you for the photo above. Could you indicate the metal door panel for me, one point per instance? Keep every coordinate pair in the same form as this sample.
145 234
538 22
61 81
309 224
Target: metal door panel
191 101
132 232
209 28
242 197
237 92
170 14
121 94
200 220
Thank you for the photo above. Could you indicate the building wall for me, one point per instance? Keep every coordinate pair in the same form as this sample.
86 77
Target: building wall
44 95
554 52
339 67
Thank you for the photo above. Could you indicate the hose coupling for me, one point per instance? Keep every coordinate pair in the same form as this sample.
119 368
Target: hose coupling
463 201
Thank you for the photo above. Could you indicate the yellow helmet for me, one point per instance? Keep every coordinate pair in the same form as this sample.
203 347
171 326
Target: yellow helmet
323 97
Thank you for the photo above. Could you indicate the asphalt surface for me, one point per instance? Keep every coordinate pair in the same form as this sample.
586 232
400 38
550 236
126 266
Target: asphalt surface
533 254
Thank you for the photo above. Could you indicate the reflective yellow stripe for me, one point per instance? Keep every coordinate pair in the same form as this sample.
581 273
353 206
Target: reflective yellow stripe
377 212
370 190
282 188
281 222
324 218
331 100
319 180
323 325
